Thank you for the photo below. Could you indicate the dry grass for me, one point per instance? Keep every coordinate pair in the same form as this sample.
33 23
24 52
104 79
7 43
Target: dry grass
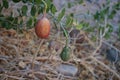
17 50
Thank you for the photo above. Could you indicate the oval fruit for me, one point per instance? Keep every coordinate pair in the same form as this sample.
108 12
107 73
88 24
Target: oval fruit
65 54
42 28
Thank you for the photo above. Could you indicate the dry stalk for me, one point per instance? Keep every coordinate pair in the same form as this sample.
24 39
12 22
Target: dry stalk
83 62
35 55
14 77
97 48
86 38
111 46
18 40
101 63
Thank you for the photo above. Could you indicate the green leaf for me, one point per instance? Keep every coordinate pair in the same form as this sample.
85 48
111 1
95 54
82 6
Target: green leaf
117 6
110 28
69 5
112 14
24 10
96 16
33 10
94 38
6 25
65 33
31 1
16 1
108 2
119 31
30 22
80 1
101 29
69 21
21 21
79 26
60 16
2 18
1 7
34 21
24 1
107 35
48 2
10 18
5 3
53 8
15 20
101 15
41 8
106 10
71 14
37 2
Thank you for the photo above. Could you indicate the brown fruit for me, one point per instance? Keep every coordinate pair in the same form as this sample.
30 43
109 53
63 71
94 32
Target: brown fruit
42 28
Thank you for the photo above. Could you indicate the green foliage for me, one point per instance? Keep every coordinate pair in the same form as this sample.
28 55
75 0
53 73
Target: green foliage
24 10
67 20
5 4
30 22
107 12
61 14
1 7
16 1
33 10
24 1
53 8
23 19
119 31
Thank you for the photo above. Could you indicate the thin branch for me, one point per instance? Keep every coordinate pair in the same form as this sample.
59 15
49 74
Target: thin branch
35 55
101 63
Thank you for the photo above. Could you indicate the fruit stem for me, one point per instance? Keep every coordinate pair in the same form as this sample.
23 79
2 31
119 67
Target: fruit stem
66 34
45 7
61 25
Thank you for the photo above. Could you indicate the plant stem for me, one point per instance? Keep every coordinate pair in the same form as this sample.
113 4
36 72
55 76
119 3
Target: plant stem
61 25
45 7
66 34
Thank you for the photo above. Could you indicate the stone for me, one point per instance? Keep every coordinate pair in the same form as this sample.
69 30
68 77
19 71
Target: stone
67 69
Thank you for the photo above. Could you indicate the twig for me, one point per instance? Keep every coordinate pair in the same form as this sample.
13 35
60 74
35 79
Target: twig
97 48
101 63
83 62
35 55
86 38
18 40
14 77
111 46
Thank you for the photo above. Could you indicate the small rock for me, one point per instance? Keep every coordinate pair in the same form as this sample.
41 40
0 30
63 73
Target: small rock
67 69
2 70
76 34
22 64
112 55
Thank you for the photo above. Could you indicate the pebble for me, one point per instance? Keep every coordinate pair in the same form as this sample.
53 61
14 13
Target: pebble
112 55
22 64
67 69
